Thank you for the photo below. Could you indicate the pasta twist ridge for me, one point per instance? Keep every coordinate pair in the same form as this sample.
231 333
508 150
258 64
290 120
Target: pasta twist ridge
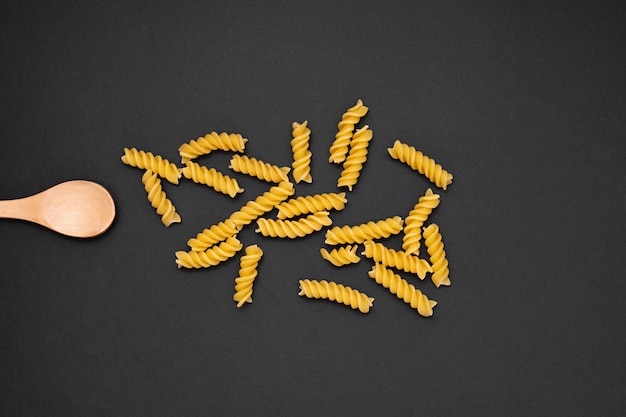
336 292
396 259
155 163
214 234
210 257
264 203
360 233
311 203
352 116
294 228
301 154
403 290
421 163
212 178
411 240
248 264
158 198
259 169
438 261
204 145
357 156
344 255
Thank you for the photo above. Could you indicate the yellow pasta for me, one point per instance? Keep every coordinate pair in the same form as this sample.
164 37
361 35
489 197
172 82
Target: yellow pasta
259 169
293 228
211 142
336 292
247 274
344 255
210 257
311 203
214 234
396 259
157 164
301 154
158 199
262 204
360 233
438 261
341 144
411 239
403 290
357 156
421 163
212 178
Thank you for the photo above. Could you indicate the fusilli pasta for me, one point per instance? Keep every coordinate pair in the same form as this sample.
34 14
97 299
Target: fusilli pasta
411 240
396 259
357 156
311 203
336 292
294 228
214 234
211 142
421 163
247 274
403 290
158 199
344 255
210 257
438 261
262 204
259 169
157 164
212 178
360 233
339 148
301 154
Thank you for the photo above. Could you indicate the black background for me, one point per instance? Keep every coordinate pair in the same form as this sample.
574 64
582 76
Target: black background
522 101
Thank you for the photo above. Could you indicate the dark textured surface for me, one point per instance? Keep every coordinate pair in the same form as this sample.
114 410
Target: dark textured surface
523 103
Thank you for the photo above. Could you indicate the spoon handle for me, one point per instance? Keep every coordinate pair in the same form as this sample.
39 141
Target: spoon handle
26 208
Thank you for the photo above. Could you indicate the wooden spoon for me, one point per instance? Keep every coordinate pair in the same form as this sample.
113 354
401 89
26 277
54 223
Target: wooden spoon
75 208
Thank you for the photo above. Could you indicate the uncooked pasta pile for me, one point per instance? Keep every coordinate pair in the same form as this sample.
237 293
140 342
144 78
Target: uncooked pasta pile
422 254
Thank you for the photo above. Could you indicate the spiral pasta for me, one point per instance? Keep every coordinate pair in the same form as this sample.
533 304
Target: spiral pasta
211 142
210 257
339 148
212 178
362 232
311 203
421 163
336 292
438 261
158 199
157 164
247 274
259 169
411 239
403 290
396 259
264 203
214 234
301 154
357 156
344 255
293 228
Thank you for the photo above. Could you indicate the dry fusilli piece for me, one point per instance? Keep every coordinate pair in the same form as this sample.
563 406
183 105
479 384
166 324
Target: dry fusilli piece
214 234
357 156
247 274
210 257
211 142
301 154
341 144
421 163
344 255
336 292
396 259
262 204
403 290
438 261
311 203
158 199
212 178
414 221
157 164
294 228
259 169
360 233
